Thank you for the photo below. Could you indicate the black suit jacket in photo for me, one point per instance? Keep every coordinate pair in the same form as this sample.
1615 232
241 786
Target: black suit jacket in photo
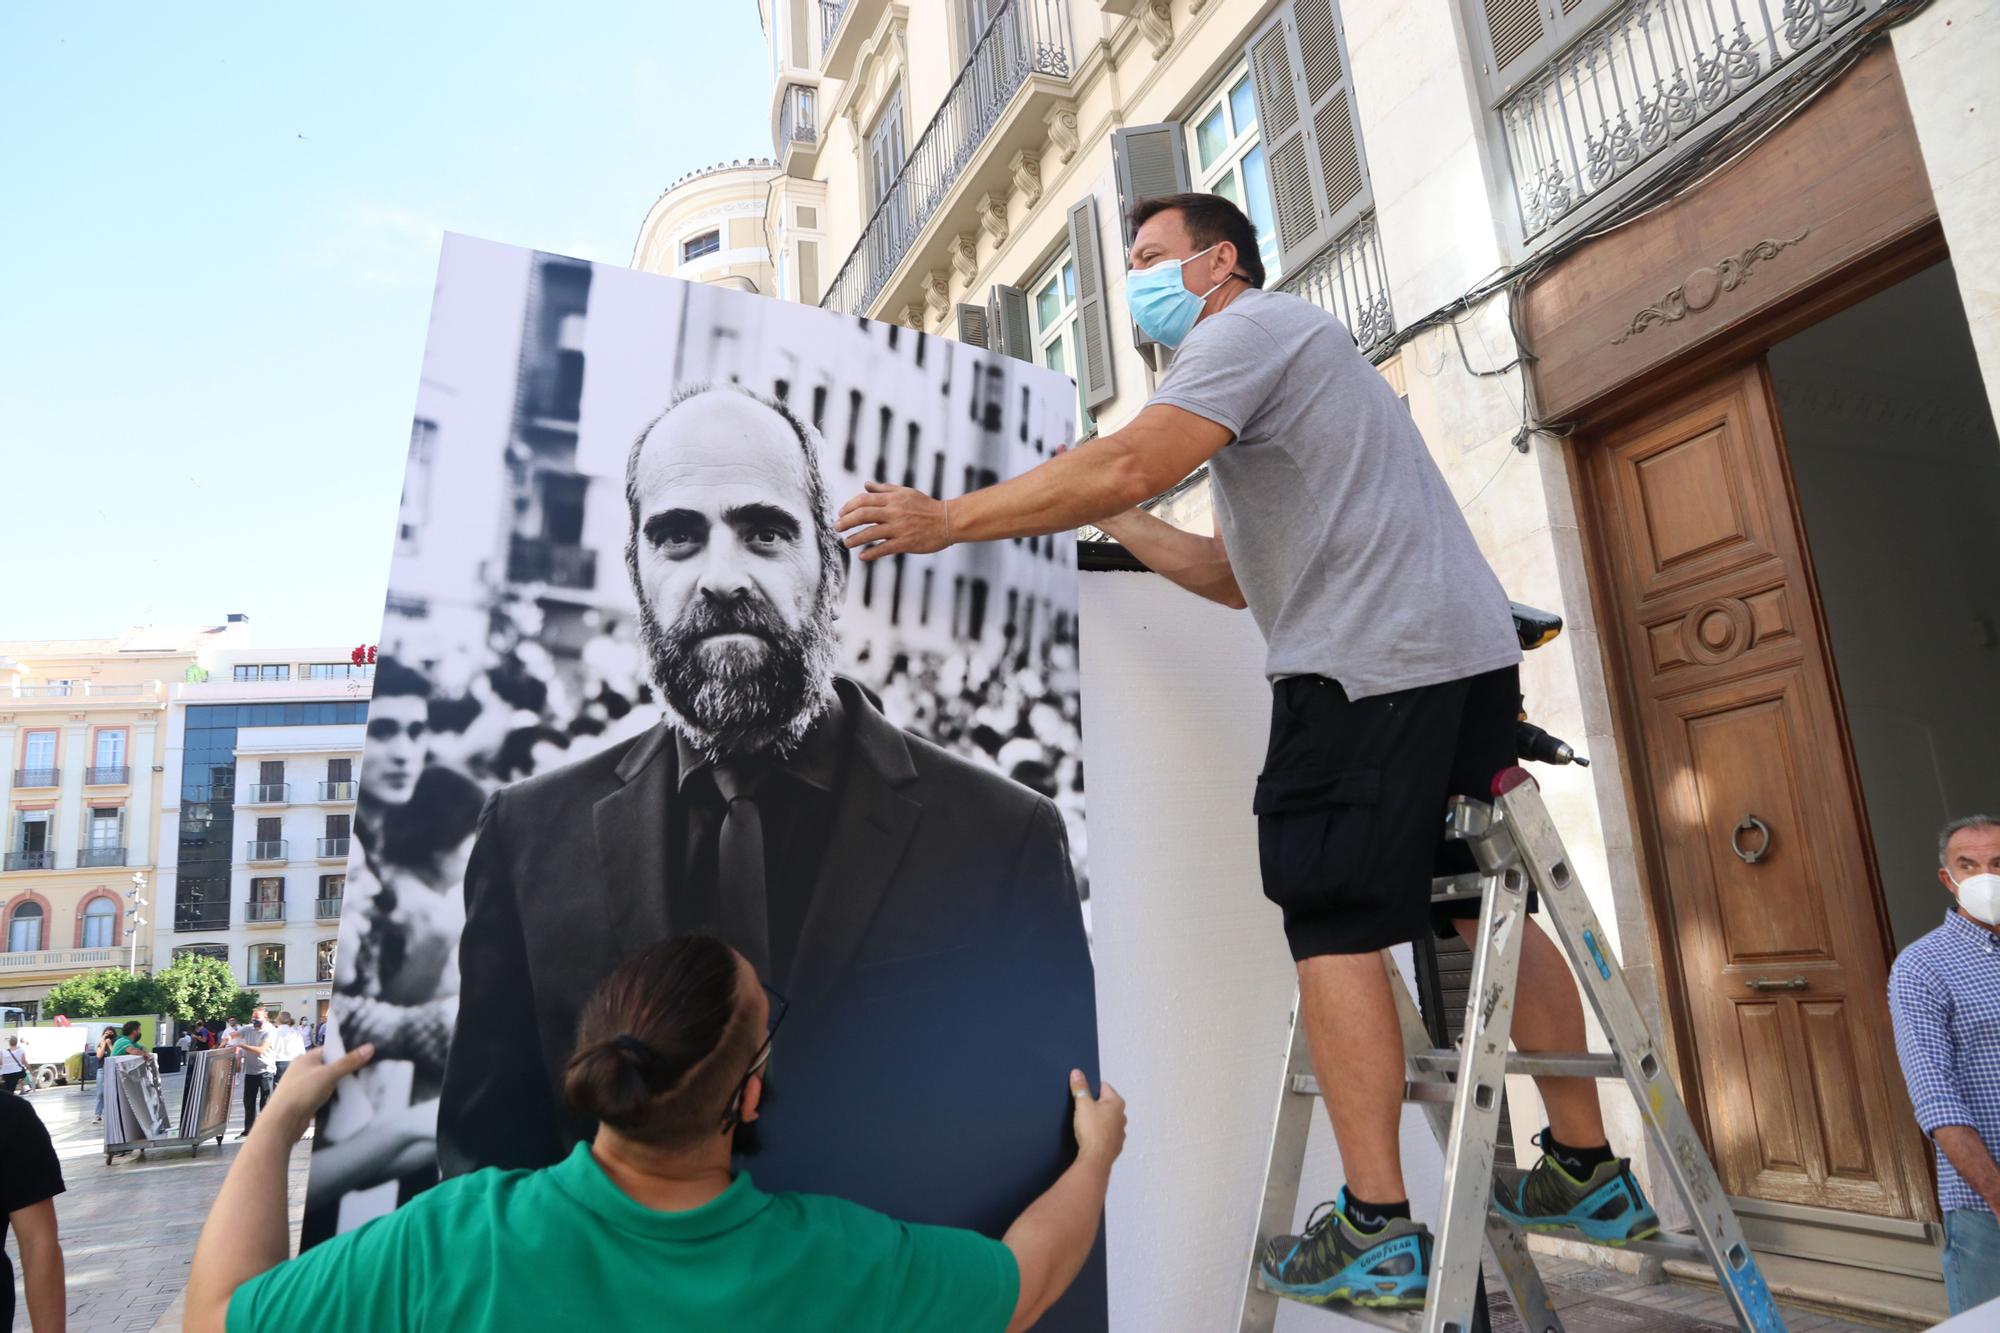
941 990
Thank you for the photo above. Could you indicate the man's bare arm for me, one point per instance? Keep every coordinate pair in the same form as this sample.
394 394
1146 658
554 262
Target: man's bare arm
1199 564
41 1265
1965 1150
1088 484
1052 1238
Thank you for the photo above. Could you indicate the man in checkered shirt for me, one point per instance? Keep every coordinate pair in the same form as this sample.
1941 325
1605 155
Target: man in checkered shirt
1944 997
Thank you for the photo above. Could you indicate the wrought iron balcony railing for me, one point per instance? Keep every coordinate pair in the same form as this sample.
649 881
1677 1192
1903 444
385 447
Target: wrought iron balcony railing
101 856
539 560
266 849
829 22
1348 280
258 912
336 791
1612 104
332 848
326 909
1027 37
38 777
798 117
106 775
45 859
266 793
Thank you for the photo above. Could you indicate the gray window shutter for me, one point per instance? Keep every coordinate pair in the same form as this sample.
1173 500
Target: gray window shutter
1518 36
972 325
1012 334
1312 139
1148 160
1093 372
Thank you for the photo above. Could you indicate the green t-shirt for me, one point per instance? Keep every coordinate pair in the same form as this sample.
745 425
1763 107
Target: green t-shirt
126 1046
566 1248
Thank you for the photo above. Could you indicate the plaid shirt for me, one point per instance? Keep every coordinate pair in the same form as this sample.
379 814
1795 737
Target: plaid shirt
1944 997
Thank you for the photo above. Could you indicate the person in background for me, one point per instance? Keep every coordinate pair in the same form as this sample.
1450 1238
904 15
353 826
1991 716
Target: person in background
13 1066
253 1045
128 1041
104 1041
670 1061
30 1179
284 1046
186 1042
1944 1001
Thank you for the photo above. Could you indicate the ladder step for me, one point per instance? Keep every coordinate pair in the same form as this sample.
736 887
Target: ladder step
1588 1064
1403 1321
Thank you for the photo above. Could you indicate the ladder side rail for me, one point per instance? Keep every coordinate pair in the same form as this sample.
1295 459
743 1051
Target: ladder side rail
1283 1169
1679 1152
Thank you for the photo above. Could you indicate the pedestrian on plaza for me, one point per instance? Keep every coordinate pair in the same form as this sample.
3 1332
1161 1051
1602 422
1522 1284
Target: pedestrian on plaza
1944 1000
669 1063
30 1179
284 1046
128 1042
253 1045
305 1031
14 1066
104 1042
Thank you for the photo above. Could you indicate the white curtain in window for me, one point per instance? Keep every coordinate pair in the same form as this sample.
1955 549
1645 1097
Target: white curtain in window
110 749
24 932
100 924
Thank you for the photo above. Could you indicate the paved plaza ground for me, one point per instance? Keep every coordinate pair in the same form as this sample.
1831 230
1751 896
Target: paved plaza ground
129 1229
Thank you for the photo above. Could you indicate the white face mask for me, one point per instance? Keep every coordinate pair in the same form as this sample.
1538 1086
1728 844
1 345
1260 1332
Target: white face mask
1979 897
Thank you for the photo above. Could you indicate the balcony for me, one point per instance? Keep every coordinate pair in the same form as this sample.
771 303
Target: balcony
558 564
45 859
336 791
266 793
333 849
1609 111
326 909
258 912
983 141
269 849
201 916
38 777
101 856
843 26
106 775
797 135
60 960
1348 281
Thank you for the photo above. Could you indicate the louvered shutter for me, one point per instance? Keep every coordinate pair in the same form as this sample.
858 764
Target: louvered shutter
1012 334
1516 38
1148 160
972 326
1093 372
1299 72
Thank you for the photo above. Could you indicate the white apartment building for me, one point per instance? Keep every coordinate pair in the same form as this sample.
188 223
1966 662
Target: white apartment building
262 761
1694 303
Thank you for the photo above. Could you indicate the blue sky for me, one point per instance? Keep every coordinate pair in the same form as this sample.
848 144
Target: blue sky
218 229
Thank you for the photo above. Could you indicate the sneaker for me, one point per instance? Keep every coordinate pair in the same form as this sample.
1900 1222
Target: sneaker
1333 1261
1607 1206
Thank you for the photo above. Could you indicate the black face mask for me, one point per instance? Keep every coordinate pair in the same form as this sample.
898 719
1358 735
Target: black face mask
744 1140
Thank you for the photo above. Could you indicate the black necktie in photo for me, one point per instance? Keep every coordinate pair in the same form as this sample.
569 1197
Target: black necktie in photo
739 866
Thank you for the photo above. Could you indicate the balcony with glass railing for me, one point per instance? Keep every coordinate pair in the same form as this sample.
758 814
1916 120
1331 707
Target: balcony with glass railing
326 909
1348 280
337 791
1613 108
264 912
265 849
265 793
992 115
333 849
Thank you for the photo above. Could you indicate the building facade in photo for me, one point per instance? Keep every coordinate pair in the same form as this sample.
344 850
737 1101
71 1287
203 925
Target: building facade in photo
83 726
1694 306
261 767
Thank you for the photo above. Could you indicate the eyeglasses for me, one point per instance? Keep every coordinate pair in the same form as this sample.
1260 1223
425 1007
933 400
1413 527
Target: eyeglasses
758 1062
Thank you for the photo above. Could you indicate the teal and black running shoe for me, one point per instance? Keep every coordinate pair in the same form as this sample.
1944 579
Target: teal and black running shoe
1607 1206
1385 1270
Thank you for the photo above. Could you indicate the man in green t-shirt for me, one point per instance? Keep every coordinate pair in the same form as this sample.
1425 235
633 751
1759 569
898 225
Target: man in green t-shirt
648 1223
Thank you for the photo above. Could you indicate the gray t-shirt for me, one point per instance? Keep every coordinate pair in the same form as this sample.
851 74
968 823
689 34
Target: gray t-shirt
1344 538
255 1062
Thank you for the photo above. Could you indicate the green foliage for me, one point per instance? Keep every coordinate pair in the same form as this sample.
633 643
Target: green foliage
194 988
195 674
97 994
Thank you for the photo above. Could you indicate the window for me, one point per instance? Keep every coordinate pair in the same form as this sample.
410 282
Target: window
694 247
1058 330
325 950
338 671
267 964
267 889
100 924
885 148
1229 158
62 689
111 749
264 671
217 951
416 501
38 759
105 825
24 932
31 838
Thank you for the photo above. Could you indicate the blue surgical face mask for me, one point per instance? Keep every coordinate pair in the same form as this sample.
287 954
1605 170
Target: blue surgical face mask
1161 305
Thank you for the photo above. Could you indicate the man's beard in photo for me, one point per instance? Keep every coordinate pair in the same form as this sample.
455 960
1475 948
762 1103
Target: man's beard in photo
731 700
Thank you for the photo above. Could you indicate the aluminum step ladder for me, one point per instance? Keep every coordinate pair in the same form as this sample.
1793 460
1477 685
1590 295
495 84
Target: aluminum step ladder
1515 845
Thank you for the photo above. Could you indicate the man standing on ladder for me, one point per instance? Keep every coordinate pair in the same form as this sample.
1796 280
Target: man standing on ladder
1394 671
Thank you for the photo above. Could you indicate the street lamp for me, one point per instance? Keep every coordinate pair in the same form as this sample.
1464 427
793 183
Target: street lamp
136 896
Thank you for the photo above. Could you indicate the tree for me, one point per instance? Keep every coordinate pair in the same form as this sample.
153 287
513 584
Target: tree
98 994
196 987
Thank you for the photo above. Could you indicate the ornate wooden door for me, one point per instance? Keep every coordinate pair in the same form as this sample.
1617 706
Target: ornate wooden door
1768 902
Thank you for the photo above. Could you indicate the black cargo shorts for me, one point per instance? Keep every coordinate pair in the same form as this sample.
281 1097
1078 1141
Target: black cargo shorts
1350 805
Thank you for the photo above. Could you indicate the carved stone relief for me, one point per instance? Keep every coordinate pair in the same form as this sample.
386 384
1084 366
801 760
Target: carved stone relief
1705 285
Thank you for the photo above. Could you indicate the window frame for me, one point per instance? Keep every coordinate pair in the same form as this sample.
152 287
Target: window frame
260 951
17 917
91 916
689 254
97 740
1066 331
1230 162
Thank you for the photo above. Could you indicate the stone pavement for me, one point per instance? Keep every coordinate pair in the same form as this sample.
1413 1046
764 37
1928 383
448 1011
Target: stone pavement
128 1233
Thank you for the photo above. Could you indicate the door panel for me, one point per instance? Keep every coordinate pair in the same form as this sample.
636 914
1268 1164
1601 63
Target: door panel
1768 907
